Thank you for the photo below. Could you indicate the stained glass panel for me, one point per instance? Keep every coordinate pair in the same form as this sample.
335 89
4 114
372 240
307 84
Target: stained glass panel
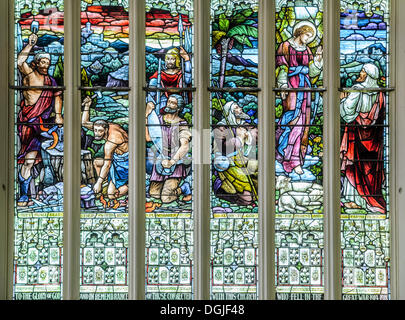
104 150
299 150
234 168
365 226
38 216
169 181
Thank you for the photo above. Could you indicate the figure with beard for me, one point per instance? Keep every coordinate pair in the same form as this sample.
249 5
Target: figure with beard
362 151
115 165
235 163
171 76
173 145
39 108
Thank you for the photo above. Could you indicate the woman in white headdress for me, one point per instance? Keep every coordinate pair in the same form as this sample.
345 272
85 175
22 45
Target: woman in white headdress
362 143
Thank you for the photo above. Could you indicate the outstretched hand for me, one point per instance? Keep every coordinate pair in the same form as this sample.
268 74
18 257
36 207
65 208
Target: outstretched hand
184 54
319 54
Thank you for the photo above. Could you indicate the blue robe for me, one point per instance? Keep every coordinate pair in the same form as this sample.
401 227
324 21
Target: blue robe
119 170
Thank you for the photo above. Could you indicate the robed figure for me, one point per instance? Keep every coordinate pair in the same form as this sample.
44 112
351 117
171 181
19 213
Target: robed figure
362 147
235 163
296 67
171 76
171 139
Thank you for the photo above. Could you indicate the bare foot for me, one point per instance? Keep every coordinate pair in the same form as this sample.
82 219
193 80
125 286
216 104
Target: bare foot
352 205
298 170
186 198
22 204
25 204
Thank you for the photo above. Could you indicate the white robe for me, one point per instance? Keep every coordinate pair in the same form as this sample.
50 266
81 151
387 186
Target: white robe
350 107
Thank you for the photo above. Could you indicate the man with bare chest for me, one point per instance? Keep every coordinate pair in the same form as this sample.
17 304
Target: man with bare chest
39 107
115 163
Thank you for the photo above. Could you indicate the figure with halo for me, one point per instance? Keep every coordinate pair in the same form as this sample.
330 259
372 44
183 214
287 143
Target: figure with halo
296 68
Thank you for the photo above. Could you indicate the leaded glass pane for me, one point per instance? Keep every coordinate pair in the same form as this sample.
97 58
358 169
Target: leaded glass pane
38 215
169 180
299 150
365 214
234 168
104 150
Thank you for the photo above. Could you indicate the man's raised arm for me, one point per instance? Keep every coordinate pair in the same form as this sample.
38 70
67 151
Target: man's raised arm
86 113
23 55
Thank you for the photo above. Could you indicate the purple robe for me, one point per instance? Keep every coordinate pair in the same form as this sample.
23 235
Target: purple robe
293 127
171 143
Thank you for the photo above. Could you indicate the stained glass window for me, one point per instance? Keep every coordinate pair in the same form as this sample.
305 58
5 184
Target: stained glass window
365 224
38 215
299 150
38 87
169 180
104 150
234 168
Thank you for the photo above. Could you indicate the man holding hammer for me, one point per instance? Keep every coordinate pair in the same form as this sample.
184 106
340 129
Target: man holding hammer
38 106
115 164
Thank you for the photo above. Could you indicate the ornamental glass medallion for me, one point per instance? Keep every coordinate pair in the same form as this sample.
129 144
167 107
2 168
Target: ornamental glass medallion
38 174
169 180
364 150
104 150
299 150
234 166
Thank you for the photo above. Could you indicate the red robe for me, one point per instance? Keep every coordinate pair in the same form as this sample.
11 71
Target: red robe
362 154
29 130
170 81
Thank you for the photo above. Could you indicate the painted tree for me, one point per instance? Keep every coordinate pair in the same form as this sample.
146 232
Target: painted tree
235 31
85 82
59 71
